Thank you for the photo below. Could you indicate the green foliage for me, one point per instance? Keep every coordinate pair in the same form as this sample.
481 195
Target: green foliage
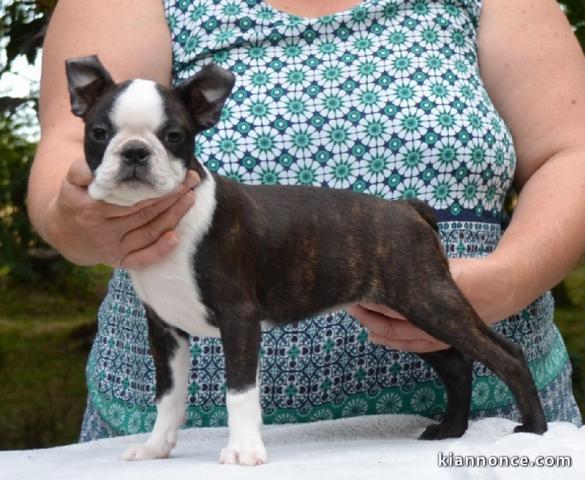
22 29
16 237
23 24
575 284
24 256
572 328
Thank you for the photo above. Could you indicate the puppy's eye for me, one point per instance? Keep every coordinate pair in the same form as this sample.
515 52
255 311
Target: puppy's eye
174 136
99 134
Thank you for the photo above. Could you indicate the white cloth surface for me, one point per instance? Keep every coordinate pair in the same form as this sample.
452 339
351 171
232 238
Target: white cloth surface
371 447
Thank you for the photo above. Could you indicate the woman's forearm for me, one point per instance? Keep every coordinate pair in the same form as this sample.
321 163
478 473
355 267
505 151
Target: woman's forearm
546 236
544 240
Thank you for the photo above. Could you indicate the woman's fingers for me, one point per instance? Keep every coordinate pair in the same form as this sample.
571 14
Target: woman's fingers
415 346
148 234
79 173
144 216
107 210
88 232
147 256
388 327
383 309
395 332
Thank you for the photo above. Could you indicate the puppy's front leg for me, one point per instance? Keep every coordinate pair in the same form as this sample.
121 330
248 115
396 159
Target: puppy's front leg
241 345
170 350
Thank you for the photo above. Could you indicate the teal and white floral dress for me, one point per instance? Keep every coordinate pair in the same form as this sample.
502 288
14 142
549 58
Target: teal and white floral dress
384 98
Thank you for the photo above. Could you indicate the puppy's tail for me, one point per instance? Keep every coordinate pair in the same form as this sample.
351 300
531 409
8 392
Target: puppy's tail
424 211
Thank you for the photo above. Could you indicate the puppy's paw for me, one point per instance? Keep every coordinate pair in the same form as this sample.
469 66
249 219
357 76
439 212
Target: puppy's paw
440 431
538 429
146 452
251 455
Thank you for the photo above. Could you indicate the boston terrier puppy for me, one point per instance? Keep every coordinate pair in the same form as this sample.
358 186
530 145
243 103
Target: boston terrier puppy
276 254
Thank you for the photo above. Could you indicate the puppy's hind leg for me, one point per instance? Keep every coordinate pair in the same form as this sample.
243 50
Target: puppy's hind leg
455 369
447 315
241 346
170 350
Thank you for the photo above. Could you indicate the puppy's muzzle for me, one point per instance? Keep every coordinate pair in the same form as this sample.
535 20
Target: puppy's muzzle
135 162
135 154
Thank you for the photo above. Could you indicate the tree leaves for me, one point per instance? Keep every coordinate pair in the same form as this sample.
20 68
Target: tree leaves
9 104
22 30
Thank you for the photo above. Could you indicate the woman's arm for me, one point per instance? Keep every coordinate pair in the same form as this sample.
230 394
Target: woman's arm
534 71
132 39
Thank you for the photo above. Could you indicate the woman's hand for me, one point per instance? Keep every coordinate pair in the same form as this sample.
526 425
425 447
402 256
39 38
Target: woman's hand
387 327
88 232
484 282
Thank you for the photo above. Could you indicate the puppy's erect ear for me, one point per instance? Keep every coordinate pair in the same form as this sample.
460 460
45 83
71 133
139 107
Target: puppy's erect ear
205 93
88 80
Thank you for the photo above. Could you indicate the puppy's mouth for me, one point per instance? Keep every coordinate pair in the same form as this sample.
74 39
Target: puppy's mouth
134 175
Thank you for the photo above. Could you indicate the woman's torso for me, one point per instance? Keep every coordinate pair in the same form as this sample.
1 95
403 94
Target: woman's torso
383 98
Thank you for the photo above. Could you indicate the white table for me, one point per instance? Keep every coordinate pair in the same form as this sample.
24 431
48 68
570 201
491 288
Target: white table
374 447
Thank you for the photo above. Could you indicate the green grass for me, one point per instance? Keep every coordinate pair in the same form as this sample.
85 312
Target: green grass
46 333
45 336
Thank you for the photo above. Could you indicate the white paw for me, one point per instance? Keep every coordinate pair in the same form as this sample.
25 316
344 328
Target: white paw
255 455
146 452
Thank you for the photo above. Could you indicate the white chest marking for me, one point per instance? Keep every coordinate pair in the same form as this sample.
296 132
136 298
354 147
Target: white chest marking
169 286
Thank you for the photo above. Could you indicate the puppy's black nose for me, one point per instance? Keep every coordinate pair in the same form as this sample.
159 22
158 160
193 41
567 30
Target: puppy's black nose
135 154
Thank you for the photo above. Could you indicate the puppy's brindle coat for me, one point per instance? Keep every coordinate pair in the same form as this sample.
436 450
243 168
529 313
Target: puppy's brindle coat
281 254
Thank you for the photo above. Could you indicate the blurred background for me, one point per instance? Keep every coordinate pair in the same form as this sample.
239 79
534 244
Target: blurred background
48 307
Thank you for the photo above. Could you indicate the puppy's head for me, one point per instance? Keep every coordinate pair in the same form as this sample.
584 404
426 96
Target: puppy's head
139 135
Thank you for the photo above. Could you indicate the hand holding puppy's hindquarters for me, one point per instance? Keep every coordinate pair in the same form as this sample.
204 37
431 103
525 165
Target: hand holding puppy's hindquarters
387 327
88 232
481 279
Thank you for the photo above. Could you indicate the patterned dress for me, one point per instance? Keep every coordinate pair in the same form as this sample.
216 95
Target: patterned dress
384 98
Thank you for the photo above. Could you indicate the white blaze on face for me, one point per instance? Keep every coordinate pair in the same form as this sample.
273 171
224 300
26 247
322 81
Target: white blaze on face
137 115
139 108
